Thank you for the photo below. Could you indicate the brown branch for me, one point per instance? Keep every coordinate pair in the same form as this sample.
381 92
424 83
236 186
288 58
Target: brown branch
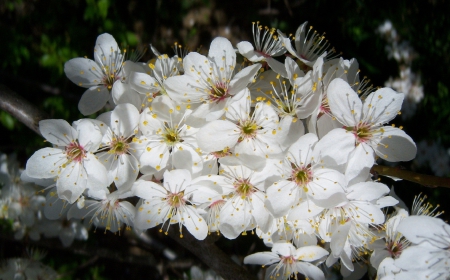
205 250
422 179
211 255
21 109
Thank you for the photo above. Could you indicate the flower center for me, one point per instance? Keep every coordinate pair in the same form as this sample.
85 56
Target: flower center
171 137
362 132
395 249
176 199
218 92
248 129
220 154
302 176
244 188
75 152
119 146
110 77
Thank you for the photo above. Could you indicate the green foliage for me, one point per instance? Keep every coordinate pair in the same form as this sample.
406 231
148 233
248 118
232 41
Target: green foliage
7 120
96 9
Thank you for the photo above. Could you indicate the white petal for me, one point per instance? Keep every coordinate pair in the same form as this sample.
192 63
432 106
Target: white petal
89 135
344 102
222 53
426 229
71 182
122 93
310 253
194 223
335 147
124 120
382 106
310 270
93 100
45 163
262 258
339 239
285 191
395 145
177 180
301 150
83 72
367 191
218 135
58 132
243 78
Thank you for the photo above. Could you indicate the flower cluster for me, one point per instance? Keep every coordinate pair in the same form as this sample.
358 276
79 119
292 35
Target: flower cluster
279 147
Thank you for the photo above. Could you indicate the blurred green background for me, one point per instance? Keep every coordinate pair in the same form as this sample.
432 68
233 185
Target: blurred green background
38 37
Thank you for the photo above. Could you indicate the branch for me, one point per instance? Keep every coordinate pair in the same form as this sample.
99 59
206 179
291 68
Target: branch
211 255
422 179
21 109
205 250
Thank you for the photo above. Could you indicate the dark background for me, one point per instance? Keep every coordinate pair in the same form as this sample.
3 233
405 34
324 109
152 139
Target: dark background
38 37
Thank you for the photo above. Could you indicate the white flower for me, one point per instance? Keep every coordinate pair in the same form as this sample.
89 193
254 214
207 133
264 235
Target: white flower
168 138
98 76
110 213
71 162
121 157
303 175
308 48
169 203
287 261
211 80
267 46
250 136
363 134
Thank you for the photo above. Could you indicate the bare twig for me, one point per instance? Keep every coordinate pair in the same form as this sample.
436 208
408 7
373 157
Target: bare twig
205 250
425 180
211 255
21 109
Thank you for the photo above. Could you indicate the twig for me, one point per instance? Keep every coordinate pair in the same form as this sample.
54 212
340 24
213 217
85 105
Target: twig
211 255
205 250
21 109
422 179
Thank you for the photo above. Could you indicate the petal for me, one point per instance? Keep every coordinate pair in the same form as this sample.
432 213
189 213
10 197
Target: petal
310 270
344 102
58 132
147 189
45 163
367 191
262 258
124 120
243 78
177 180
285 191
218 135
89 135
122 93
310 253
339 239
195 224
71 182
185 88
382 106
395 145
83 72
93 100
335 147
222 53
425 229
143 83
301 150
